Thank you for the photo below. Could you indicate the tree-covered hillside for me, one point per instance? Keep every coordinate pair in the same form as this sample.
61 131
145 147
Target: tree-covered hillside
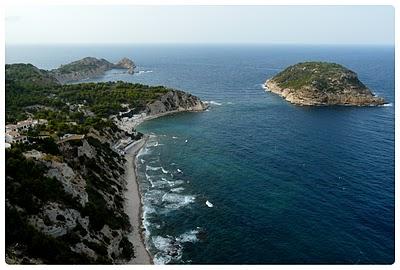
28 89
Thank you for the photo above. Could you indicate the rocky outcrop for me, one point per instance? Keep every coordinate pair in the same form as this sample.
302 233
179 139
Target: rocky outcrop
175 101
127 64
89 67
321 84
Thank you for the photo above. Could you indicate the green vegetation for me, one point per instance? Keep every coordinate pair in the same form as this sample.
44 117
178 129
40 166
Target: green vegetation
320 75
76 109
127 248
28 188
105 99
29 76
101 183
36 244
28 86
84 65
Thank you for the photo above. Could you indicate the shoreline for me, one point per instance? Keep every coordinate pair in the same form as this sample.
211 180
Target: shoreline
133 197
134 206
288 95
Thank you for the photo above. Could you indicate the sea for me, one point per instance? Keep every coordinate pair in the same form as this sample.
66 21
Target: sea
255 179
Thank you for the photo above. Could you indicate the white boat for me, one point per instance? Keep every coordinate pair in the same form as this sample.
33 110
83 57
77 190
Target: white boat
209 204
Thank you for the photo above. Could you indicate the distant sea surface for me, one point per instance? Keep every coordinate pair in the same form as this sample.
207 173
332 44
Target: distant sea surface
287 184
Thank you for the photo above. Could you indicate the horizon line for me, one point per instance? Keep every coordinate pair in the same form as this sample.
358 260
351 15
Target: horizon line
200 43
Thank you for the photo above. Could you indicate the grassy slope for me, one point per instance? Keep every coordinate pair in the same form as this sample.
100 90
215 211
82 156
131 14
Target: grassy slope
317 74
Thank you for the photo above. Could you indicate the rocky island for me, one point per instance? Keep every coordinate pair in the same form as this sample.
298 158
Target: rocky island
89 67
71 195
321 84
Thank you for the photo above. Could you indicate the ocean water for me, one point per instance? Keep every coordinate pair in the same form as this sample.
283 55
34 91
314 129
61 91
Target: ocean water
287 184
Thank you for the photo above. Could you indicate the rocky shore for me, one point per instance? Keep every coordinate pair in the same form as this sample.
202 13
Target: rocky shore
321 84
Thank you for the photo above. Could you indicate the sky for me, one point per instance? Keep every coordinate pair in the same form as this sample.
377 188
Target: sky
369 25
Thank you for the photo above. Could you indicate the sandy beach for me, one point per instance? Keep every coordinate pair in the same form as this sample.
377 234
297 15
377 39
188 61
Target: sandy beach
133 204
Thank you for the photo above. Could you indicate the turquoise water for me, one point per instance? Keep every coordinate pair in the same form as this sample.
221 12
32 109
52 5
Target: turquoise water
288 184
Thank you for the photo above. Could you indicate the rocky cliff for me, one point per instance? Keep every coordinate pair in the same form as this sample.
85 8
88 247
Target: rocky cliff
321 84
175 101
83 220
89 67
126 63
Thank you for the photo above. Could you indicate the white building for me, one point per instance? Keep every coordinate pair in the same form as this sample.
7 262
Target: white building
15 137
13 131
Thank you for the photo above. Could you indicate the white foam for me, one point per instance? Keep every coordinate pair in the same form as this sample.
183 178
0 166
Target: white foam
168 249
164 170
186 141
230 103
179 170
148 210
153 197
387 105
178 182
174 137
171 248
151 168
142 160
178 189
143 72
151 182
154 144
144 151
148 177
190 236
171 183
175 201
212 102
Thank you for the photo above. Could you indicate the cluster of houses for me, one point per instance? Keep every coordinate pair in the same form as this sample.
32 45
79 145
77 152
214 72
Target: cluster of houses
13 131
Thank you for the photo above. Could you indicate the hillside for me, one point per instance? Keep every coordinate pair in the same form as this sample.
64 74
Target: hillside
321 83
28 74
89 67
65 194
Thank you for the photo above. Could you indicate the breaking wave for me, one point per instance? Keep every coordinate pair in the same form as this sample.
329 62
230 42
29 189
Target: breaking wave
171 248
212 102
144 71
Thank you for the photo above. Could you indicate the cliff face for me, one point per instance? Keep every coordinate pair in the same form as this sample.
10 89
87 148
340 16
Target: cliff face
84 220
127 64
321 84
89 67
175 101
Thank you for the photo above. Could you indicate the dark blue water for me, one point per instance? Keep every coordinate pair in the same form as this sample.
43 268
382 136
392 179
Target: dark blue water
288 184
